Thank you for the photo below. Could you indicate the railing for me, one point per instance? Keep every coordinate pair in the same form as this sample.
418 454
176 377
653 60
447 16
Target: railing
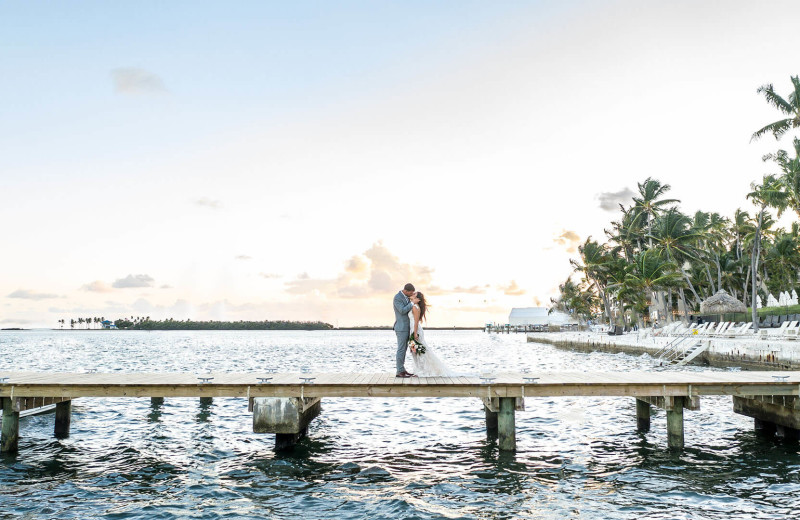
672 350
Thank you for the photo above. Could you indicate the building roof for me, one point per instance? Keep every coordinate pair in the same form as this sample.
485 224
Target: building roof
528 312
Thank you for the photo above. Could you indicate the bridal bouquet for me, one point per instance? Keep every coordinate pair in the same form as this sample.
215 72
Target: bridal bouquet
415 346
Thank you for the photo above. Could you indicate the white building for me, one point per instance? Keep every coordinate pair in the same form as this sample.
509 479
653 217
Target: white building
538 316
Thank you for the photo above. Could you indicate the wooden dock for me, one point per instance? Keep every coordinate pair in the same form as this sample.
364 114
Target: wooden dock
771 398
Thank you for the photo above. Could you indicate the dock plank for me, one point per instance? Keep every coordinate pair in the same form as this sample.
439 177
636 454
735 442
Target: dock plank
506 384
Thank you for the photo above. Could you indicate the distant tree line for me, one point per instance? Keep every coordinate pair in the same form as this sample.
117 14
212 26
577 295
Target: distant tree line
145 323
81 321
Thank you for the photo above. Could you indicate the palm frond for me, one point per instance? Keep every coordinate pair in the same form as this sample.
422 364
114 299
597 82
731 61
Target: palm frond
775 100
777 129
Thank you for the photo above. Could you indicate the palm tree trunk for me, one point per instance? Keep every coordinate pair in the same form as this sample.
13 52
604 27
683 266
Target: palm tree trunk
754 268
710 280
604 297
685 307
744 289
668 306
691 286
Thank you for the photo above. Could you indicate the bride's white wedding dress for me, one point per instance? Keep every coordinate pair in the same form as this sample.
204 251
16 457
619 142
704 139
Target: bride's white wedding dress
427 364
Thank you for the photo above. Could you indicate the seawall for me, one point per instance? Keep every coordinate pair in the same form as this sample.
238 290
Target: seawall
749 352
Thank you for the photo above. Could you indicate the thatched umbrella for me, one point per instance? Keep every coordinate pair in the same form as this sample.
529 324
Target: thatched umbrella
721 303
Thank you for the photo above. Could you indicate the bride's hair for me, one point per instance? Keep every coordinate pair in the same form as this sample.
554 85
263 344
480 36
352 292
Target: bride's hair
423 306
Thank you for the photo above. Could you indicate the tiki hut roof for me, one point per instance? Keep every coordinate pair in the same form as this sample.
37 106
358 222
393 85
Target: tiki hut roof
720 303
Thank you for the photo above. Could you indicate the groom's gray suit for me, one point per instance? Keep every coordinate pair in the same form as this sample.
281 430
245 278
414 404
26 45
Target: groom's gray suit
402 327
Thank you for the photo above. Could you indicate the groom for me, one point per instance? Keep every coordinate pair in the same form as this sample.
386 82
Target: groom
403 301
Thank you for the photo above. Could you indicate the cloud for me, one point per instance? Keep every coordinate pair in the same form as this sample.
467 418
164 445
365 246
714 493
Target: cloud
537 301
26 294
269 276
512 289
165 286
357 264
569 239
375 272
243 257
16 321
475 289
208 203
132 81
138 280
610 200
484 309
97 286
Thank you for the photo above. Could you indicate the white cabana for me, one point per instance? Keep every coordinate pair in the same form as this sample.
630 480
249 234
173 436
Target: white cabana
538 316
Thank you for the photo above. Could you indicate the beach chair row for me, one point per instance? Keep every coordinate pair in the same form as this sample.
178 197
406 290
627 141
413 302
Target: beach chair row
777 321
727 329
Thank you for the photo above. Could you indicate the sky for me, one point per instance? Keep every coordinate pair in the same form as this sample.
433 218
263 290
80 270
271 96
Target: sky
256 160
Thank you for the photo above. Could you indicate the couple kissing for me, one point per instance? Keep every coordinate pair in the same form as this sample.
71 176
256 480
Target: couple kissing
410 309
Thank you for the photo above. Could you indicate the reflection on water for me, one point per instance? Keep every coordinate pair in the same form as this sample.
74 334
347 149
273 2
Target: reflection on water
374 457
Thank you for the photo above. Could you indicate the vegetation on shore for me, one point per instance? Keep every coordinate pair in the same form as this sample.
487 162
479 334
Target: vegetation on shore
656 256
145 323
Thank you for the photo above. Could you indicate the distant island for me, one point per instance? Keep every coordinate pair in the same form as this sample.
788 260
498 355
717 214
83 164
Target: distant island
145 323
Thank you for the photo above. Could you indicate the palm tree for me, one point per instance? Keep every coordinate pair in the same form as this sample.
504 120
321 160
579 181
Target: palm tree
652 272
768 193
789 107
647 206
574 300
790 173
673 235
627 232
783 263
593 266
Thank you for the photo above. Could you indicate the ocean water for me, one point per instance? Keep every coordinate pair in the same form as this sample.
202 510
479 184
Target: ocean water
405 458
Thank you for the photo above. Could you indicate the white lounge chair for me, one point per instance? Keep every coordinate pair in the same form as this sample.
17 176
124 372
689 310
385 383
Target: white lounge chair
723 328
702 328
792 331
741 330
711 329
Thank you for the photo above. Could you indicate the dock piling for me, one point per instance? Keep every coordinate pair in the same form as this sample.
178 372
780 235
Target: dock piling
286 417
206 401
777 415
9 439
506 427
156 401
63 419
491 422
675 424
642 415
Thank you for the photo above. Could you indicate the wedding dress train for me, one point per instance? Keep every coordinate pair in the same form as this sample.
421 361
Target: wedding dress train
427 364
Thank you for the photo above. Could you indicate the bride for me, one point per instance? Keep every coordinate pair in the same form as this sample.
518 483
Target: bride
428 363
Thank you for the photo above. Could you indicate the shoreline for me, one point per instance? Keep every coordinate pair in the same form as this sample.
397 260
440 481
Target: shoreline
388 328
748 352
